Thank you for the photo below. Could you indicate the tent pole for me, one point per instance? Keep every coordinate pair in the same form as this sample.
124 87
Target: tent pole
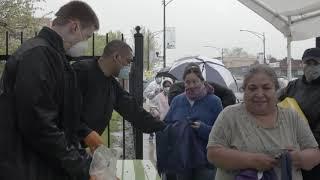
289 40
317 42
289 72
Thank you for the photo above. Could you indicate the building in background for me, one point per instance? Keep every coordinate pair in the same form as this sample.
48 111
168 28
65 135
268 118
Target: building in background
239 65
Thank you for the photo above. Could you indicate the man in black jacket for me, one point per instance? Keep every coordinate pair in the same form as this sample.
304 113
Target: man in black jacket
38 107
102 93
306 91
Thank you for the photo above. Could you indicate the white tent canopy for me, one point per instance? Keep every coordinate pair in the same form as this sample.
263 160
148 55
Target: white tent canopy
296 19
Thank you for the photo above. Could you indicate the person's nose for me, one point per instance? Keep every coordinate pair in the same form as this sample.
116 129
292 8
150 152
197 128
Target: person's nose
191 85
260 92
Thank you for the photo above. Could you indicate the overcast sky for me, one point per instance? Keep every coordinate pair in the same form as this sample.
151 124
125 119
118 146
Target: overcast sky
198 23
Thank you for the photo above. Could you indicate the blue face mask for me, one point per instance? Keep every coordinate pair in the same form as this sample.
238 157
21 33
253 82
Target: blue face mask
124 72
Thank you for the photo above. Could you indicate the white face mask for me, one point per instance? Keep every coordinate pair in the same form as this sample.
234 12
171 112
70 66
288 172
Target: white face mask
311 72
166 90
78 49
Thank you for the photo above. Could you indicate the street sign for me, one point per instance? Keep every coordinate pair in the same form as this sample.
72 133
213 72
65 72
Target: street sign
170 37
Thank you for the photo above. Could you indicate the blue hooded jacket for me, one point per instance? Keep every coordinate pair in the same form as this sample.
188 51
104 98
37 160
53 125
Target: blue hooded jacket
180 147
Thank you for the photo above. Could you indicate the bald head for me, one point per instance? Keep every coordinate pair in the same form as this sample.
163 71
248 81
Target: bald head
115 46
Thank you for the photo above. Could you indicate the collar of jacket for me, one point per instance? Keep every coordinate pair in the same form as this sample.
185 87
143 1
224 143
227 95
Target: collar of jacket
99 70
314 82
53 38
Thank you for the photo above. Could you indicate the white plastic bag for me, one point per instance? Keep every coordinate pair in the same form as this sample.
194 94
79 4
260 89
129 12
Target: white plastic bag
104 163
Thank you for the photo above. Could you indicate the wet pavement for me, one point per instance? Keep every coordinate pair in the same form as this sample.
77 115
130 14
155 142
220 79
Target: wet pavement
149 149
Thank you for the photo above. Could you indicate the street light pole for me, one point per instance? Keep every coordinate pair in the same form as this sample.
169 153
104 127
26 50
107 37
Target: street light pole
164 31
264 48
222 51
148 41
263 38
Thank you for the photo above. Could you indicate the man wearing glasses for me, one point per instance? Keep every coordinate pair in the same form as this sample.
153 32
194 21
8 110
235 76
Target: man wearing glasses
101 94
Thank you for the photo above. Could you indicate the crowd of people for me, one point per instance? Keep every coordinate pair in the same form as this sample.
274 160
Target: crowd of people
51 110
249 140
254 138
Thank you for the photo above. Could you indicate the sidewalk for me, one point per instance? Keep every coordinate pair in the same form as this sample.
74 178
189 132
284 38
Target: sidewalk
149 149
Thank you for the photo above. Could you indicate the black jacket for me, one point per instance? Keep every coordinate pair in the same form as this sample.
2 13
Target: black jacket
226 95
101 95
38 112
308 97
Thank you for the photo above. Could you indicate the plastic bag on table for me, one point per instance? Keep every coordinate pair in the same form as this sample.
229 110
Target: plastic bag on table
104 163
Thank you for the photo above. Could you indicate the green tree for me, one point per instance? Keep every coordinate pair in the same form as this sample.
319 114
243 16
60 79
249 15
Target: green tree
149 45
100 42
17 16
236 52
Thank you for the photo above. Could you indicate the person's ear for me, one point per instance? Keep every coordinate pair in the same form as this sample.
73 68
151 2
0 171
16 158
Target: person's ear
115 56
73 26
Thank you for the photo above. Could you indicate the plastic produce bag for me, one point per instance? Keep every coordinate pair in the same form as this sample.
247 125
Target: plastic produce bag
289 102
104 163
